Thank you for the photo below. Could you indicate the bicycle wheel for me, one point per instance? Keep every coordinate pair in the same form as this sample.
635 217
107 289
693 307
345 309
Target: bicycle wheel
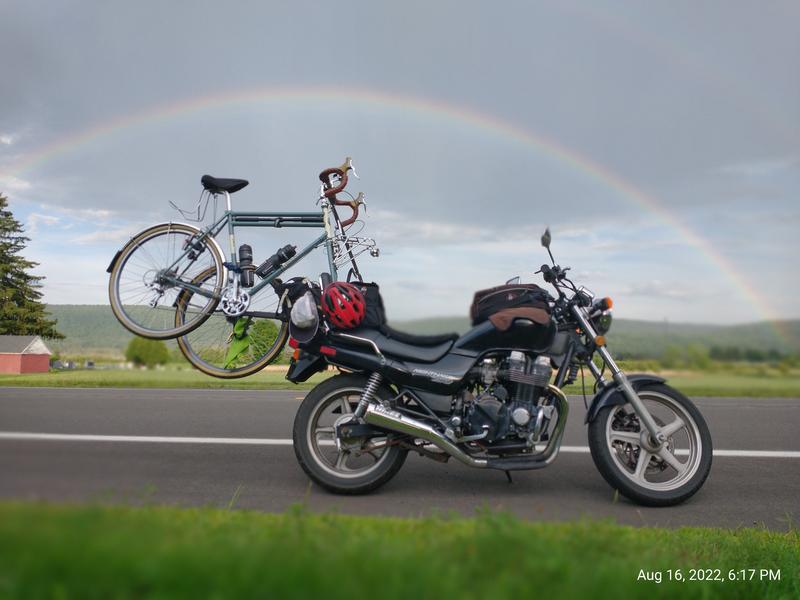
152 270
234 347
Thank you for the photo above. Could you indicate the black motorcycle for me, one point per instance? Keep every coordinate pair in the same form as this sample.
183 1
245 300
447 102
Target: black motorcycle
489 397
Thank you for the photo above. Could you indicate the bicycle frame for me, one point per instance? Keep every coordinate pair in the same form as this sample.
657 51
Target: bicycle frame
231 219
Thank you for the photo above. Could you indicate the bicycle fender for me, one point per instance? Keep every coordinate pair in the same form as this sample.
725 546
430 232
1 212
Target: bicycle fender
611 395
113 261
305 366
209 239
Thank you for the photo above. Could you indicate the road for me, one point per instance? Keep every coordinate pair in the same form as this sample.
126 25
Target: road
240 456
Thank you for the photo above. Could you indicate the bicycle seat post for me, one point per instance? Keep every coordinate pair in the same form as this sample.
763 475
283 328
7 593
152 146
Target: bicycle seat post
232 278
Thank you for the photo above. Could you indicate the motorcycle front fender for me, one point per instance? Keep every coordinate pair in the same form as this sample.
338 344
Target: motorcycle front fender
305 366
611 395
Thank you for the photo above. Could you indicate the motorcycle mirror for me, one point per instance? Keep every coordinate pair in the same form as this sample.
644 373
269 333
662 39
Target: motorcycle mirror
546 238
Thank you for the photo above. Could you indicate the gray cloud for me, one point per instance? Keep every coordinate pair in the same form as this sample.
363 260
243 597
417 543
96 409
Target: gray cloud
696 107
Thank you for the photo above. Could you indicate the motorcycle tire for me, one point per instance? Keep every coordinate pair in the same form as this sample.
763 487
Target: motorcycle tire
326 465
642 476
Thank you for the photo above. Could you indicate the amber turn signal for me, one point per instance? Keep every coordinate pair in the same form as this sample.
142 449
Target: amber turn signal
600 340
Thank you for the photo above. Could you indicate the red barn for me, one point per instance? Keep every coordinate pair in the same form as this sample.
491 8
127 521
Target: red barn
23 354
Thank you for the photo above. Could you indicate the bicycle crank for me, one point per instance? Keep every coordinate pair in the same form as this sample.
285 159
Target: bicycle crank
234 305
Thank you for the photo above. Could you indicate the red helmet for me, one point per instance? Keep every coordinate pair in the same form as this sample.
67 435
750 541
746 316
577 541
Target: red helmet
344 305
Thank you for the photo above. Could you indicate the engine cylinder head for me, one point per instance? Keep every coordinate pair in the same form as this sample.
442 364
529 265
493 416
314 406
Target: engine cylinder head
528 375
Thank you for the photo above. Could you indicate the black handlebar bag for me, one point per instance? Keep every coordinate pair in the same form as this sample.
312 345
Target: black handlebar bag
493 300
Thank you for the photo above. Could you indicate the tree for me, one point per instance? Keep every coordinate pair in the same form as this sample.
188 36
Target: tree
21 309
672 357
146 353
698 356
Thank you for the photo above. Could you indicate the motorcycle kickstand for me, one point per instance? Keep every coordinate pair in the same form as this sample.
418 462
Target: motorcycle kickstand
508 476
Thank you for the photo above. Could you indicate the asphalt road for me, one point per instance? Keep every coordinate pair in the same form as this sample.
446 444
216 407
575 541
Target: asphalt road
255 468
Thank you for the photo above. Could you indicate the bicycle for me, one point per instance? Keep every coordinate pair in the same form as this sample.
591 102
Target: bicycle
171 279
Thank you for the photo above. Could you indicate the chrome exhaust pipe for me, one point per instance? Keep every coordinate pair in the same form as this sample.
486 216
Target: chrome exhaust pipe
386 418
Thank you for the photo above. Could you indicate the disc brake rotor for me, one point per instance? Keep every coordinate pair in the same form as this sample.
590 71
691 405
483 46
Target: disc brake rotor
630 453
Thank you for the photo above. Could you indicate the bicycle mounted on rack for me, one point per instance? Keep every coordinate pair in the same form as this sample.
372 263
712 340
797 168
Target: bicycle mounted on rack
169 280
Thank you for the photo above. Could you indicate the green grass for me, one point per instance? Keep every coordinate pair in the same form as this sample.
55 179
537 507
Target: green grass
771 384
185 377
99 552
724 384
720 384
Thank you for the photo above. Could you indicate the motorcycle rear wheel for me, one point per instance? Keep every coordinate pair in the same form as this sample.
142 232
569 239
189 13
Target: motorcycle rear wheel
666 477
349 469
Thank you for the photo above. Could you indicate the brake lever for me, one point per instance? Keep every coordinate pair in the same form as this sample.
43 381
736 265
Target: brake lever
360 200
347 165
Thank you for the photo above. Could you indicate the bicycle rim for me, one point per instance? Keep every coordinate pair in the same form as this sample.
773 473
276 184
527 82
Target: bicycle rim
151 273
231 348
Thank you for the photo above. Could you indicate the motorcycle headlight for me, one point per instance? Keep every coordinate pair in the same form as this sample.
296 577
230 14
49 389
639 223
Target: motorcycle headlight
602 322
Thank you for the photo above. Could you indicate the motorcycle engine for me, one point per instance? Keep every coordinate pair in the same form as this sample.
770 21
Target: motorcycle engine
510 405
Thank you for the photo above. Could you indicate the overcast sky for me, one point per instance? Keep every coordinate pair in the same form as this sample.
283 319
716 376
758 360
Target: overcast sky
660 141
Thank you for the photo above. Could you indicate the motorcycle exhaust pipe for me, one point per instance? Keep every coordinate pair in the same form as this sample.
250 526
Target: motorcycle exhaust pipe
392 420
386 418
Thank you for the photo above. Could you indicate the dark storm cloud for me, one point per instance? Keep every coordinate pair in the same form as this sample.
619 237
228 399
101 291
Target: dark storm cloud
692 104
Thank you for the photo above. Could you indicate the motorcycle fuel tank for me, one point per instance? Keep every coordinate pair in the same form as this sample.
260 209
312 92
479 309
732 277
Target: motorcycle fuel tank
523 335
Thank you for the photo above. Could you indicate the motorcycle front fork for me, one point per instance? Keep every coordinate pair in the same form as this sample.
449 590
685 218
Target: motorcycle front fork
630 394
619 378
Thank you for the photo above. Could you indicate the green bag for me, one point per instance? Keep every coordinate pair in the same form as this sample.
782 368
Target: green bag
240 341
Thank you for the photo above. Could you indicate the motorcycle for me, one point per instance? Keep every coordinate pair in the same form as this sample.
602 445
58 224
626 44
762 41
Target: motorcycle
491 398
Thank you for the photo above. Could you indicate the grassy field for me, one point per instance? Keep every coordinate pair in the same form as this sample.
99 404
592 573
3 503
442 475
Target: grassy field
769 384
167 378
98 552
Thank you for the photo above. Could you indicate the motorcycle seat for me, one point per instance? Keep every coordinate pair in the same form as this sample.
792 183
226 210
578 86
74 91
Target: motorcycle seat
418 340
417 348
215 185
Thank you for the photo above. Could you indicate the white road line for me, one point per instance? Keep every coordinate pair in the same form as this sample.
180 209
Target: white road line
148 439
155 439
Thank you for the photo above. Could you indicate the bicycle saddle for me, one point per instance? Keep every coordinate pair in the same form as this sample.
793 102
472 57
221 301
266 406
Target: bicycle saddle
216 185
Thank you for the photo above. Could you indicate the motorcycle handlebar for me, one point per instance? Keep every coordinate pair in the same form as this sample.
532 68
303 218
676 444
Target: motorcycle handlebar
553 274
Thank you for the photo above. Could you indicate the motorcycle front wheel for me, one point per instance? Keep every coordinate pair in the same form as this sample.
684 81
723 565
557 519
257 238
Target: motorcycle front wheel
647 475
348 466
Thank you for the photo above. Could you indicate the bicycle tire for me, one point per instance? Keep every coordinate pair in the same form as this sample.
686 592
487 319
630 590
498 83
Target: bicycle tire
207 347
134 281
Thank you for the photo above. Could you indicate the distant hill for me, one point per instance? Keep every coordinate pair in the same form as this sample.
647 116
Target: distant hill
89 329
649 339
93 329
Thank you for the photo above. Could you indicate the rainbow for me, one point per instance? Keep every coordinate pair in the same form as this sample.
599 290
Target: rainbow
412 105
